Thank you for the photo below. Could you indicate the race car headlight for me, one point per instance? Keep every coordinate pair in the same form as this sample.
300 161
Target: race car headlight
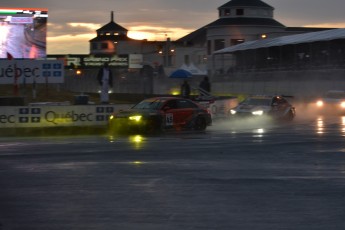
319 103
135 118
342 104
258 112
233 112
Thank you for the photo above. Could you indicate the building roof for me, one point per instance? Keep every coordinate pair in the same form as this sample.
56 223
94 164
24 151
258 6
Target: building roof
246 3
326 35
196 36
200 34
112 26
306 29
111 38
243 21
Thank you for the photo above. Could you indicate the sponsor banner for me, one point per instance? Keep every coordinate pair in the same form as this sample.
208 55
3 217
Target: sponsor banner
113 61
133 61
54 116
30 71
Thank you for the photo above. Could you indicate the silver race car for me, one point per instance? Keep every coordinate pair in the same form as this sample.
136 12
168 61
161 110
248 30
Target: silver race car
276 107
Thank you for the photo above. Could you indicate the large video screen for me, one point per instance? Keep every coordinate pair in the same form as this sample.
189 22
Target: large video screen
23 33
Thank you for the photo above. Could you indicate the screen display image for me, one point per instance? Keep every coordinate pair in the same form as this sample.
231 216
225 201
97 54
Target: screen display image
23 33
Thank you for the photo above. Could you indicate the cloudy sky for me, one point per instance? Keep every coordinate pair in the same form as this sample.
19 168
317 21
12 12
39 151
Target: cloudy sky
72 23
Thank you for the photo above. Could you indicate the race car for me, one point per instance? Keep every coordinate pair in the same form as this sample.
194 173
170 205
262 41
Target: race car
276 107
332 102
217 105
159 114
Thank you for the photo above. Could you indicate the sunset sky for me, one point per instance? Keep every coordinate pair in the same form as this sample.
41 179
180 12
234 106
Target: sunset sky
73 23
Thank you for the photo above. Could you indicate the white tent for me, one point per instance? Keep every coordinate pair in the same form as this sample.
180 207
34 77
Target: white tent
193 69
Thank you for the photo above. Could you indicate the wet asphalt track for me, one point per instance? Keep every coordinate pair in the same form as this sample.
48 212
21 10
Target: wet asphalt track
241 175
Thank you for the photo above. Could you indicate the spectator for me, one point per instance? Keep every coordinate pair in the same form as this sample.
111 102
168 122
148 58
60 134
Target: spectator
185 89
105 80
205 85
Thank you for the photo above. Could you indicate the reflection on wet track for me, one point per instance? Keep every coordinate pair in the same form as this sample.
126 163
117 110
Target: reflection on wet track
334 125
236 175
318 126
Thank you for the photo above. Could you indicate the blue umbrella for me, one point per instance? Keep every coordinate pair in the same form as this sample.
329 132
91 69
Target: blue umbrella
180 73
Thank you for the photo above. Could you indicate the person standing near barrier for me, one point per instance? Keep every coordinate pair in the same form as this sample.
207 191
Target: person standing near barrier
185 89
205 85
105 80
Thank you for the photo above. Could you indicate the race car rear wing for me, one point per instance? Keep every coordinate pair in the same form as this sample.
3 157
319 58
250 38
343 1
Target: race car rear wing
203 94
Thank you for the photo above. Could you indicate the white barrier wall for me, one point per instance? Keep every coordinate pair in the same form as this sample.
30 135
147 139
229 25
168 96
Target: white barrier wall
55 116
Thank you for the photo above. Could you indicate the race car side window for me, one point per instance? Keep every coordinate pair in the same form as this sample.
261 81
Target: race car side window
275 101
278 101
172 104
283 101
183 104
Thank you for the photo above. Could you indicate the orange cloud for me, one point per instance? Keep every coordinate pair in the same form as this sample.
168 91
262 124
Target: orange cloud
69 44
79 43
153 33
327 25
